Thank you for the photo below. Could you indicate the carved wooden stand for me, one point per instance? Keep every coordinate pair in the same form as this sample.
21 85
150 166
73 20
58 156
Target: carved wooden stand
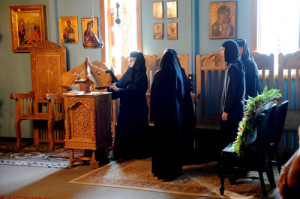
87 123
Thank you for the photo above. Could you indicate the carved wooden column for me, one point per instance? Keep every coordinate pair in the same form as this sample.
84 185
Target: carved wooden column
87 123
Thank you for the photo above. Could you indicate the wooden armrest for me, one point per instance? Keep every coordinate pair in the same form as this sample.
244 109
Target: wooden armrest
56 105
53 96
21 95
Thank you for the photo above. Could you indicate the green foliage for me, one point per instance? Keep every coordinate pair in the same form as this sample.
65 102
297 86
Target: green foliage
245 125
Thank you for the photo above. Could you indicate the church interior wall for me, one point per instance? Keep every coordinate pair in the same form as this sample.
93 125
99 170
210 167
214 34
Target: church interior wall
193 38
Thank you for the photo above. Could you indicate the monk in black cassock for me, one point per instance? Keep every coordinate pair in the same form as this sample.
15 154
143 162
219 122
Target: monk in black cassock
233 96
132 131
188 122
253 86
167 93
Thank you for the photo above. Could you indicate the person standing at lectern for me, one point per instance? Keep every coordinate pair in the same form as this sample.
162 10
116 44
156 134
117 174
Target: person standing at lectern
132 131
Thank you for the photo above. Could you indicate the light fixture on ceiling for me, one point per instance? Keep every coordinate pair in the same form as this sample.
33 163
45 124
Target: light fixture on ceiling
118 20
90 38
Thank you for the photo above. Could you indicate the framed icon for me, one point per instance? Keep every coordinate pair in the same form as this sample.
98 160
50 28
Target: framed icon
28 26
158 30
172 9
222 20
68 30
172 31
158 11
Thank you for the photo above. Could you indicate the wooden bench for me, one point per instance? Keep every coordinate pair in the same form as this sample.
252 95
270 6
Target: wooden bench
288 82
210 71
265 65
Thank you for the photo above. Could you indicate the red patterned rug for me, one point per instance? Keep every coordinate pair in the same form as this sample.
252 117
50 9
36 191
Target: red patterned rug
200 180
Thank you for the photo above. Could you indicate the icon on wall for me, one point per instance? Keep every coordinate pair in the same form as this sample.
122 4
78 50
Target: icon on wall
222 20
158 30
158 11
28 26
68 30
172 31
172 9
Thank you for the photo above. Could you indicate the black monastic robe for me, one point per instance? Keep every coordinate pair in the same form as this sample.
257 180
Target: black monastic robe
132 131
167 93
233 95
253 85
188 121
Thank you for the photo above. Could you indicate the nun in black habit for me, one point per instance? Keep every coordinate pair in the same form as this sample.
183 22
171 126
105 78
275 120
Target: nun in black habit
233 96
188 121
132 131
253 86
167 93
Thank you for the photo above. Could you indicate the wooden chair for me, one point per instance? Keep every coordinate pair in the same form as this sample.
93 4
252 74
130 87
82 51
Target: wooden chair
210 69
152 65
288 83
255 157
44 102
276 133
265 65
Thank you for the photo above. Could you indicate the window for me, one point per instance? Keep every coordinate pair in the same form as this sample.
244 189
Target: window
121 38
123 28
277 26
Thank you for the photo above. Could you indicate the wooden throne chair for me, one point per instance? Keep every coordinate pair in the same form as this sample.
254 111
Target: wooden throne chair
44 103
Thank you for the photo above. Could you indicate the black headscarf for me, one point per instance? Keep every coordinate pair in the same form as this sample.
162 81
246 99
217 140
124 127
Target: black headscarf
134 75
171 63
246 54
139 67
231 51
253 85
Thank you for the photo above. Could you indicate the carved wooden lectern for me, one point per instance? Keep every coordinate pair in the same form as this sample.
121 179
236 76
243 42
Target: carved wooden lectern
87 114
87 123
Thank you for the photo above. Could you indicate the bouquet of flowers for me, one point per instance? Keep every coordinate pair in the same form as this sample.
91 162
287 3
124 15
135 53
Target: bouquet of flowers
251 107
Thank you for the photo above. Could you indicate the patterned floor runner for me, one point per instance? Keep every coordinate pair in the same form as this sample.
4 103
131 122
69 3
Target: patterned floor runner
31 155
200 180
